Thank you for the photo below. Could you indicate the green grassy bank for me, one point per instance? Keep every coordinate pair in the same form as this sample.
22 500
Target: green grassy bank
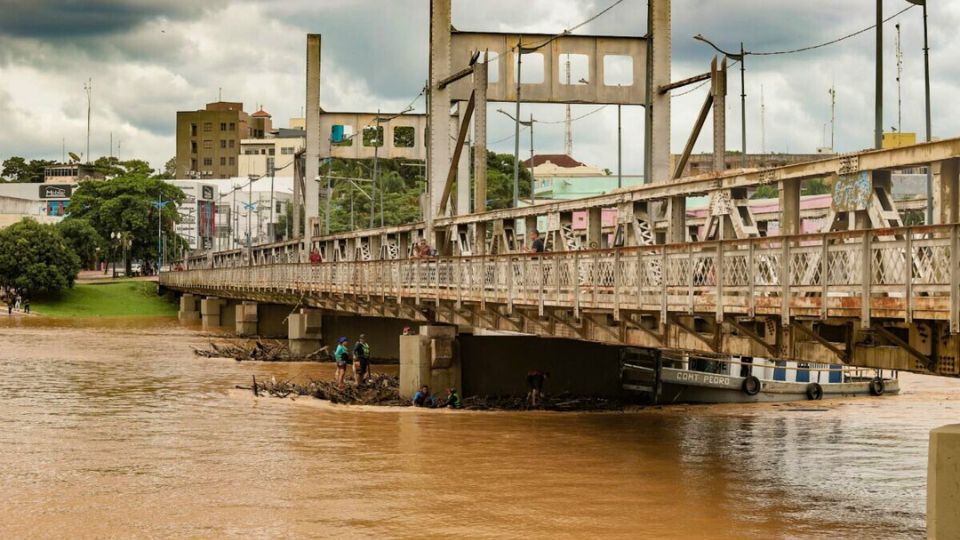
114 299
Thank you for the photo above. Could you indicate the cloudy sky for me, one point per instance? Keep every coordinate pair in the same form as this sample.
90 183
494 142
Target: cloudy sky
150 58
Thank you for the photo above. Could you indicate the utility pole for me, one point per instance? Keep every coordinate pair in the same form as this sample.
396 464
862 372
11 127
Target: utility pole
743 109
568 133
763 123
899 73
833 117
273 233
878 83
236 218
516 130
376 165
533 195
926 91
89 89
619 150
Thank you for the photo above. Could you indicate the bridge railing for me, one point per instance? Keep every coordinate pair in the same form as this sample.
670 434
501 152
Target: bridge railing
890 273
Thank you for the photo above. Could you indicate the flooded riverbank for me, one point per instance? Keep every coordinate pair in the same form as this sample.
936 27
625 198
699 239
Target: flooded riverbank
114 428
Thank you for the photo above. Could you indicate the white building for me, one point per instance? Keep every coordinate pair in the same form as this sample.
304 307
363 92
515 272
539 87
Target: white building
259 156
45 203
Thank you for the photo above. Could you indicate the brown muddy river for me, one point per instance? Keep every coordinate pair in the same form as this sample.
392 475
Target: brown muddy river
115 429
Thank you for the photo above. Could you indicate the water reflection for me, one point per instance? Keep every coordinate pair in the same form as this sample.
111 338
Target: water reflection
114 428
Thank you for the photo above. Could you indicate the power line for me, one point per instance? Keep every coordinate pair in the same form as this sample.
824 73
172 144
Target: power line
572 28
582 116
508 137
831 42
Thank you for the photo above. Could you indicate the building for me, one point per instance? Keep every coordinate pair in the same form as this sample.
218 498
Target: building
560 177
261 156
70 173
208 140
46 203
198 223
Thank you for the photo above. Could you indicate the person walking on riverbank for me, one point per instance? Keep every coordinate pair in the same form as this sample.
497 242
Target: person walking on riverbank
535 379
361 359
342 357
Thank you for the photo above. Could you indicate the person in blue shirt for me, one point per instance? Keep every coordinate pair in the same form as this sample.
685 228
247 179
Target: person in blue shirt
423 398
342 357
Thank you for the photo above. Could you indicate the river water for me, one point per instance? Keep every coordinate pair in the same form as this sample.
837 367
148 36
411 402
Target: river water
115 429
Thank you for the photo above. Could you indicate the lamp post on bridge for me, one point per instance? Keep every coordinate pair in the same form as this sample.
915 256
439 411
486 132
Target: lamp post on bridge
926 92
527 123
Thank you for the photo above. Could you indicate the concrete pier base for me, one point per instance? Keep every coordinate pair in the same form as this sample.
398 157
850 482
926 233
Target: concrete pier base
246 319
429 358
211 311
304 331
189 311
943 483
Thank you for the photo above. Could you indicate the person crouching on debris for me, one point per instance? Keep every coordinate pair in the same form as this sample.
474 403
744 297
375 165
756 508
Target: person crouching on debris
342 356
423 398
453 400
535 379
361 359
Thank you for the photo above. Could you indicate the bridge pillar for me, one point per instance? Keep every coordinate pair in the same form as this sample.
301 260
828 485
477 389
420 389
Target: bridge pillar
246 319
946 192
305 331
790 207
429 358
211 310
943 483
188 308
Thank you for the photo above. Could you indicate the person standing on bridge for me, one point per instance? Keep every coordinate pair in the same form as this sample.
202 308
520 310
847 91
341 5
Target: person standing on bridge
536 243
342 356
361 359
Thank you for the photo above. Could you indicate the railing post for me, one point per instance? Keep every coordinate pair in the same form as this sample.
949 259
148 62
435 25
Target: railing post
483 282
663 283
867 277
616 284
436 275
785 280
751 278
954 280
718 275
416 279
576 284
509 272
690 272
908 277
641 275
824 276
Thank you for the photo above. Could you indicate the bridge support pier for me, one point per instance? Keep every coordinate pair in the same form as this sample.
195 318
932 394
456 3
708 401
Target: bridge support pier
246 319
305 331
429 358
211 310
188 308
943 482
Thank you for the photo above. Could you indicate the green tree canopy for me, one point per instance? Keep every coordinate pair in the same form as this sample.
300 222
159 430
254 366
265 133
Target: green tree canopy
112 166
82 238
17 169
126 204
35 259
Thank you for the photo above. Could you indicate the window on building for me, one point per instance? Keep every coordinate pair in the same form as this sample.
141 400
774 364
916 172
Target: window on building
287 151
270 165
341 135
223 161
193 147
231 143
404 136
223 143
272 151
233 161
233 126
208 126
193 130
223 126
208 143
193 164
208 161
373 136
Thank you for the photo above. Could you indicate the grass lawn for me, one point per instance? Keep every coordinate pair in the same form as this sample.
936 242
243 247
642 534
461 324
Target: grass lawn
117 299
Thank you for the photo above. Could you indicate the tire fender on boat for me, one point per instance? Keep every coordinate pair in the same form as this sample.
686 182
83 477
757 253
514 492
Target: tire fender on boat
877 387
751 386
814 391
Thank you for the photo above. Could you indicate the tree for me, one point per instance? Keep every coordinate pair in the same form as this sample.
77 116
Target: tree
110 166
16 169
35 260
766 191
816 187
169 169
125 204
82 238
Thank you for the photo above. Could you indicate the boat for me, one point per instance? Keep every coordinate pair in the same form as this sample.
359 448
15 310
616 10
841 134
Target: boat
682 377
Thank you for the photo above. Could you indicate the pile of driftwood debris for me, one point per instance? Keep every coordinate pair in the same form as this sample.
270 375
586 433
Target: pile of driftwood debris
379 389
382 389
260 350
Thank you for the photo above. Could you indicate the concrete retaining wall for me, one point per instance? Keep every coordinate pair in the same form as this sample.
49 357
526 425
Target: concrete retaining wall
383 334
498 365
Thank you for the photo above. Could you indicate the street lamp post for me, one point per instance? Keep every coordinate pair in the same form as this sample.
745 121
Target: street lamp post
926 90
376 162
527 123
741 57
253 178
